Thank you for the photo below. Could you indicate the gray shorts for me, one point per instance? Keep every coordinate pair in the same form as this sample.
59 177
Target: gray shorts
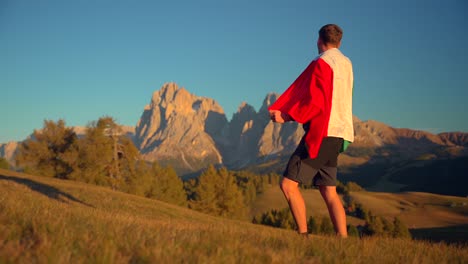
320 171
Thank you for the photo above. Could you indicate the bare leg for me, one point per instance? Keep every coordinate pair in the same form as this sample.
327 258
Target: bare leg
296 203
335 209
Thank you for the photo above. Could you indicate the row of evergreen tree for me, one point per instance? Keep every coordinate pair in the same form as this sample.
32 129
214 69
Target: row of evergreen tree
319 225
104 156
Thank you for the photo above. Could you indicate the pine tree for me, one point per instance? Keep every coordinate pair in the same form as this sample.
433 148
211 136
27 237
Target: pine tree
247 183
268 219
278 218
387 227
313 225
167 186
47 152
230 201
142 183
353 231
374 226
105 156
399 229
216 193
4 164
205 196
349 203
326 226
361 212
96 163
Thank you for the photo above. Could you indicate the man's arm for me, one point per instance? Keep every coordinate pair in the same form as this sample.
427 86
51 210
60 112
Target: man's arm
279 117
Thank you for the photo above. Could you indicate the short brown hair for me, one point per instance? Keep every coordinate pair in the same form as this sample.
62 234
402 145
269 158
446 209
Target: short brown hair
331 34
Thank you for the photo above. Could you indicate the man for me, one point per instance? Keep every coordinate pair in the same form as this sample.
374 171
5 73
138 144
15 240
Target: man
320 99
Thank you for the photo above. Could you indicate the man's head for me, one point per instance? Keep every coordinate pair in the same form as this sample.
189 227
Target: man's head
329 37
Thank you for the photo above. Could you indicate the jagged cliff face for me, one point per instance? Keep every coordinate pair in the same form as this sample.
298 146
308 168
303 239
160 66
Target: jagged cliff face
276 139
189 132
250 137
179 128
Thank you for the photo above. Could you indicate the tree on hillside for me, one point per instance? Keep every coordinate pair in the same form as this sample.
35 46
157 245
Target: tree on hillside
361 212
4 164
166 186
105 157
204 192
216 193
278 218
313 225
142 181
96 163
250 184
320 225
341 188
349 203
352 231
375 226
387 227
400 229
326 226
229 197
47 152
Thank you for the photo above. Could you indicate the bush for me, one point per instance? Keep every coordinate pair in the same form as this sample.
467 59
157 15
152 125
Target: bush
278 218
353 231
4 164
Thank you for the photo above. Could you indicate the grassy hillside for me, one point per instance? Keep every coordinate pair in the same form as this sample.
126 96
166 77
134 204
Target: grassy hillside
429 216
46 220
273 198
440 176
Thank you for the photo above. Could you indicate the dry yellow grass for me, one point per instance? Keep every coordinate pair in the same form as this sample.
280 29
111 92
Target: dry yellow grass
45 220
417 210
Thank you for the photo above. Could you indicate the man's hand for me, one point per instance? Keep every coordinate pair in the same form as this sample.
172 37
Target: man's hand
278 117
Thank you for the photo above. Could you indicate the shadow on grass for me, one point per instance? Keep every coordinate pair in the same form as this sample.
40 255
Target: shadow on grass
44 189
451 234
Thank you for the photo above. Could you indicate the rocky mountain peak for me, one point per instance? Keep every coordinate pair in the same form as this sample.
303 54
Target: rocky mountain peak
269 99
8 151
180 127
166 93
245 111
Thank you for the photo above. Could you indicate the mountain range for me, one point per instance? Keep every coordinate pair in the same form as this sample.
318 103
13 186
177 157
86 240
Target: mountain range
189 132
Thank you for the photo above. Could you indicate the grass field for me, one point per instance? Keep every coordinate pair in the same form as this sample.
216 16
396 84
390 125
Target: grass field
273 198
445 216
46 220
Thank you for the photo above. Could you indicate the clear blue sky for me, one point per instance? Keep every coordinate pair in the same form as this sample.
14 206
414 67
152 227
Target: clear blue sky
82 59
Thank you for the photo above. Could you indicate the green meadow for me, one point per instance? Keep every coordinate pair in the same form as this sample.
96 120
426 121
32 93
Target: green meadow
46 220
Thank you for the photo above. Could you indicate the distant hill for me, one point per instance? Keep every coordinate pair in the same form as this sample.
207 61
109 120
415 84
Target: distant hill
58 221
445 176
188 132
